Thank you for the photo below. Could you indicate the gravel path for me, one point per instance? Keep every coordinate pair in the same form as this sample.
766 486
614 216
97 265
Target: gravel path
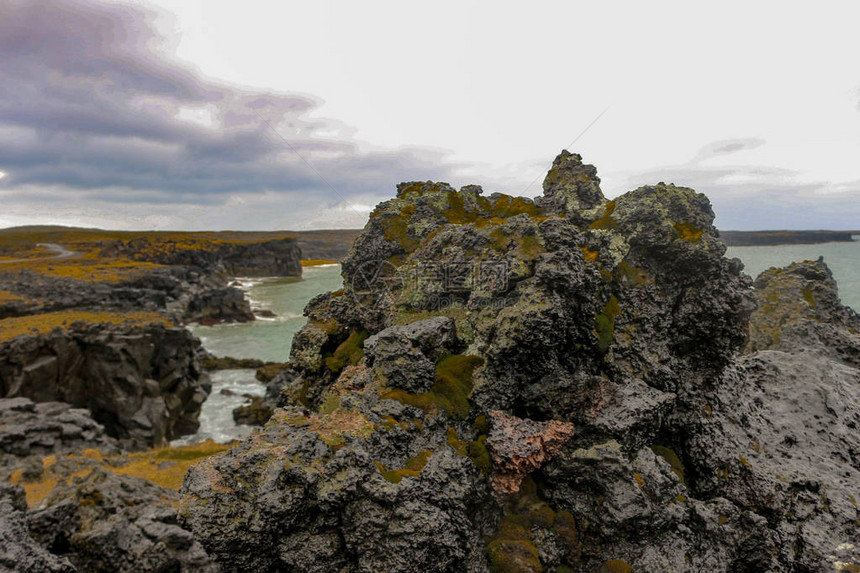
61 253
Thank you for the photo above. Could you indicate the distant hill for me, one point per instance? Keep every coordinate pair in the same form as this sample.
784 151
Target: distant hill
331 244
765 238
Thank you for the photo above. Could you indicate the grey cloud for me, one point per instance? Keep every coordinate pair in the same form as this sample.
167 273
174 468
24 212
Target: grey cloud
88 102
727 146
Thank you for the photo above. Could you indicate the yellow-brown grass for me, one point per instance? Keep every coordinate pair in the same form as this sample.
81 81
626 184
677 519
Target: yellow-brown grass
317 262
165 467
44 323
6 296
91 266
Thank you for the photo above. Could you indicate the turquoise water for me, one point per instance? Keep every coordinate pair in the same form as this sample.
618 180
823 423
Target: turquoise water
229 390
842 258
270 338
265 338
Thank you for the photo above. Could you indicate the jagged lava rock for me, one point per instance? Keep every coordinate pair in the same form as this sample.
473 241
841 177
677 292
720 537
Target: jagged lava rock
518 447
107 522
621 319
31 429
143 382
18 550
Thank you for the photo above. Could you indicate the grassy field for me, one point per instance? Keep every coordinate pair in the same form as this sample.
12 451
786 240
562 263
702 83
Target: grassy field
46 322
109 256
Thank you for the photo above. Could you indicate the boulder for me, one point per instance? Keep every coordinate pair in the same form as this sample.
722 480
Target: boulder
40 429
18 550
214 306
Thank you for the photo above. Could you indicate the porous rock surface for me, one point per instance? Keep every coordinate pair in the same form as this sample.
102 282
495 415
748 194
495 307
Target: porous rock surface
31 429
143 383
106 522
18 550
615 329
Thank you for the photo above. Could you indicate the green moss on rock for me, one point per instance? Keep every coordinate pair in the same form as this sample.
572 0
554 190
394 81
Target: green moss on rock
604 324
808 297
606 221
615 566
450 392
689 232
513 556
350 351
670 456
526 513
413 467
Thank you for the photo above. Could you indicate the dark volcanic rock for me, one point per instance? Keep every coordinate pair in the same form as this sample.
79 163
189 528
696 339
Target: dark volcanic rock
430 405
799 306
256 413
30 429
18 550
108 522
141 382
571 186
214 306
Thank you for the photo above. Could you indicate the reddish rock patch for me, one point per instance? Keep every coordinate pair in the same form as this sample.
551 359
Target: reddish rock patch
519 446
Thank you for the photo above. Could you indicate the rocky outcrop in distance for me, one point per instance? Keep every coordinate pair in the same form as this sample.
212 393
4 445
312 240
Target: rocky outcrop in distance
330 244
276 257
143 383
183 275
565 384
183 294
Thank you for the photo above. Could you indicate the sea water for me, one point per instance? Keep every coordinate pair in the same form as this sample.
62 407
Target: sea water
842 258
266 339
270 338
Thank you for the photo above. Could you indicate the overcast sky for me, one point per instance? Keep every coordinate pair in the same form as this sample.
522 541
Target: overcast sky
209 114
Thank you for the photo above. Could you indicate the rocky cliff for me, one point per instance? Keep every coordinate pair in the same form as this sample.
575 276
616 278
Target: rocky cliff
183 275
280 257
141 381
566 384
